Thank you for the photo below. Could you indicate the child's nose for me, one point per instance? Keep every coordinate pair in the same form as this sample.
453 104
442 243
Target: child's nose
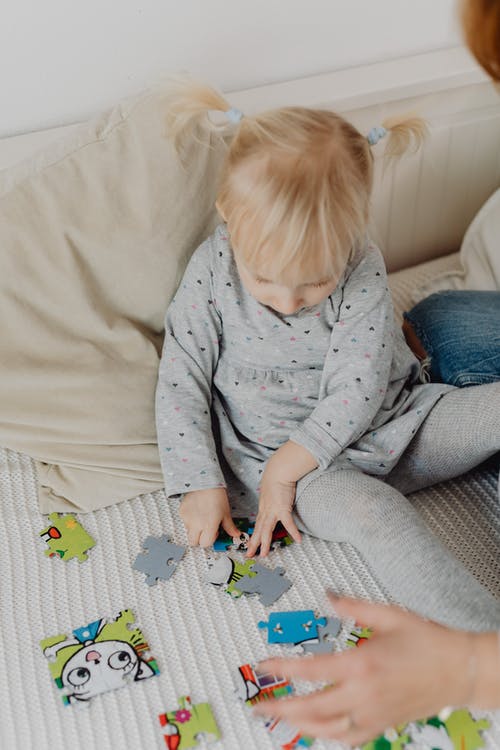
288 305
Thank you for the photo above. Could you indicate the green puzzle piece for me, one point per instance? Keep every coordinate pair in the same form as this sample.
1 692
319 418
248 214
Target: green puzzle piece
393 739
239 570
183 726
66 538
464 730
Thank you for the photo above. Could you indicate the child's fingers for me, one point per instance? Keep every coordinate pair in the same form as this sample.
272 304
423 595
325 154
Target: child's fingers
253 544
266 528
193 536
266 540
229 526
291 527
208 536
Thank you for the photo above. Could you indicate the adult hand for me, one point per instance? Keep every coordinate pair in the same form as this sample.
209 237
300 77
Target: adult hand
277 496
409 669
203 511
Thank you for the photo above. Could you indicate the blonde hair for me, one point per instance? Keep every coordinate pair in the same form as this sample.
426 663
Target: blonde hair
481 24
296 182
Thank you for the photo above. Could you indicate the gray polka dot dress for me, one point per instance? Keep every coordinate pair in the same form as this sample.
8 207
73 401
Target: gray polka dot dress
237 379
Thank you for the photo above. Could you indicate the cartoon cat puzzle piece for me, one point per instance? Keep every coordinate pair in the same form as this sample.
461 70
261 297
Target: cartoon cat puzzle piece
269 583
254 686
293 627
66 538
225 572
224 543
326 634
183 727
103 655
160 559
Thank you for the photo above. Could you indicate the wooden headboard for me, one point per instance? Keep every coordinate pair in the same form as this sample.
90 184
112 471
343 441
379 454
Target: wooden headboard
423 203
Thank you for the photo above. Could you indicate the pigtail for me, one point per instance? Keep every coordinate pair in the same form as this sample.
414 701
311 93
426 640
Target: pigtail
406 133
192 106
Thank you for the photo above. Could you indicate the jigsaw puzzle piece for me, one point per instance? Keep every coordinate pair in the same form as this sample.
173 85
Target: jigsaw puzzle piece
184 726
254 686
226 572
292 627
269 583
392 739
326 634
464 730
66 538
458 730
103 655
160 559
358 635
225 543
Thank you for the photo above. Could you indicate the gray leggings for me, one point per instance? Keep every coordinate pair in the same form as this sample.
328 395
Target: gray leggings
417 570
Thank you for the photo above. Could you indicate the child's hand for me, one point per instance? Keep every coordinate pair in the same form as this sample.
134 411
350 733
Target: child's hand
203 511
275 504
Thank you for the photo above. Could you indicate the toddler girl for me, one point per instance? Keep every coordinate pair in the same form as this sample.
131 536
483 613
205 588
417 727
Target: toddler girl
284 382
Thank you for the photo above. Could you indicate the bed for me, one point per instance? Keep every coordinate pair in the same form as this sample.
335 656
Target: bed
197 633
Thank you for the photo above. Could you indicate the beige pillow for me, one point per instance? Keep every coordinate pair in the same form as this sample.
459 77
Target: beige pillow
479 256
95 233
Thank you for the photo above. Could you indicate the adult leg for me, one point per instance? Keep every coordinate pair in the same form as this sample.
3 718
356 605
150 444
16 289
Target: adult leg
416 569
459 331
461 431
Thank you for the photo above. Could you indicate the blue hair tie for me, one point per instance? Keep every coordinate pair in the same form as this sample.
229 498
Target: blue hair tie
376 134
234 115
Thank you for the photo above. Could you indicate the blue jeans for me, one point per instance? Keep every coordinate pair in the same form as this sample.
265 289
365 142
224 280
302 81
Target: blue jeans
460 332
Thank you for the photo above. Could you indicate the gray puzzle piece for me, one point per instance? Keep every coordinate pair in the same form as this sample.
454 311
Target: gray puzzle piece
160 560
269 583
324 644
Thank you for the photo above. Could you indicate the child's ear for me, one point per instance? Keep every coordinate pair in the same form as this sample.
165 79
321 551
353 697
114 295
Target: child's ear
221 213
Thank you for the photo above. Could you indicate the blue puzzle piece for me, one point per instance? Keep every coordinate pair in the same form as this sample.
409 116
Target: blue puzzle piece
292 627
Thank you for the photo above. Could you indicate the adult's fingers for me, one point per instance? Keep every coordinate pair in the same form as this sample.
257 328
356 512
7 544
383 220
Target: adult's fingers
323 667
325 713
379 616
319 705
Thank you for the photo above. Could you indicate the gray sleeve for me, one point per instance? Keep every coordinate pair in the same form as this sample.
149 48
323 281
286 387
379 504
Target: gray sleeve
184 391
358 364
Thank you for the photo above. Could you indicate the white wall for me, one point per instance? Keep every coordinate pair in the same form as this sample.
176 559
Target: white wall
62 60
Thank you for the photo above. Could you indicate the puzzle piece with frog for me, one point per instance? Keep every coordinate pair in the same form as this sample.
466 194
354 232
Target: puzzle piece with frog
66 538
103 655
160 560
294 627
183 727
